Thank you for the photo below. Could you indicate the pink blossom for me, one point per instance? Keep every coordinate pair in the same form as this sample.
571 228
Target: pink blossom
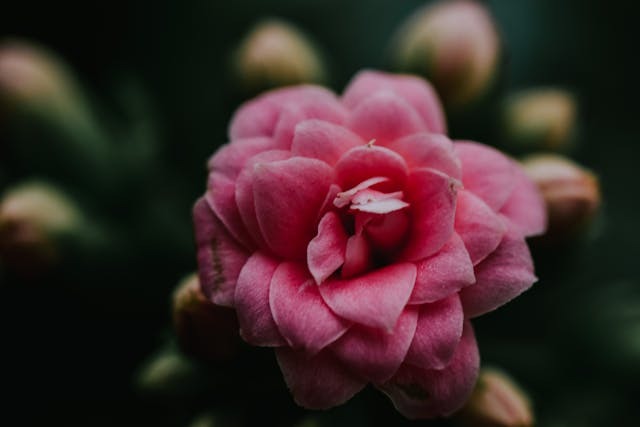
358 240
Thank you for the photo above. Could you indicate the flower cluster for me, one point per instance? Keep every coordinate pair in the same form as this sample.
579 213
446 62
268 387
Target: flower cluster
351 234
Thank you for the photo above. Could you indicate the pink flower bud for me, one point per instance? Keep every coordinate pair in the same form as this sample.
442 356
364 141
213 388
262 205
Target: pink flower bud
34 218
455 45
39 94
571 193
540 119
34 79
204 330
275 53
496 402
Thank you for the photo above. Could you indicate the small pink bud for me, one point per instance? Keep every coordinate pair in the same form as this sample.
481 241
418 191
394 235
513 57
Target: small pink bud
275 53
571 193
496 402
35 79
540 119
44 103
455 45
34 218
204 330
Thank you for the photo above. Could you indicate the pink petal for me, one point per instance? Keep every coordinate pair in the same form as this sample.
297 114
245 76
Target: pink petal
257 326
220 258
328 109
429 393
480 228
432 196
323 140
486 172
368 195
303 318
362 163
416 91
357 258
387 232
437 334
288 195
525 207
502 276
444 273
375 299
221 196
231 158
385 117
317 382
384 206
328 205
255 118
344 198
259 116
325 253
376 354
425 150
244 193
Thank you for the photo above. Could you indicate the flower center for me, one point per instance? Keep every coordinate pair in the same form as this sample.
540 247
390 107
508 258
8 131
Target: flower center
377 221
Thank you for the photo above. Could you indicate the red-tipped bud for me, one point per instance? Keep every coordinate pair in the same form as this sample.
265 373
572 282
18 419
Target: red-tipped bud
455 45
540 119
497 401
571 193
275 53
204 330
35 218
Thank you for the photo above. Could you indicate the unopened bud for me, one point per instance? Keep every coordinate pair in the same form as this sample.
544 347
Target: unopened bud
496 402
274 54
571 193
34 79
540 119
204 330
34 219
455 45
167 373
51 126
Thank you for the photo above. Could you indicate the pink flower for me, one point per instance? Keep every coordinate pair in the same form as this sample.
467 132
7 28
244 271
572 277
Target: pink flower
354 237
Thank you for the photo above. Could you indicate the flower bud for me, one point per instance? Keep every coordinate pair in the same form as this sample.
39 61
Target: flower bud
204 330
496 402
34 79
275 53
167 373
34 219
540 119
571 193
455 45
51 126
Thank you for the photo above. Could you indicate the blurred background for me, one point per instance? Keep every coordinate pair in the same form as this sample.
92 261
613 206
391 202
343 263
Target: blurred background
130 100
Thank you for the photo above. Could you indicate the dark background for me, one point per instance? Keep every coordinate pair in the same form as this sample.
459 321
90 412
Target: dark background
71 342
